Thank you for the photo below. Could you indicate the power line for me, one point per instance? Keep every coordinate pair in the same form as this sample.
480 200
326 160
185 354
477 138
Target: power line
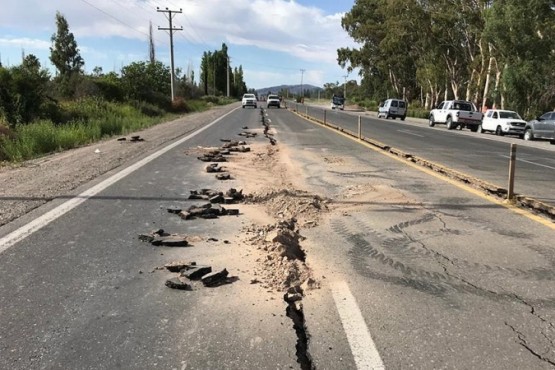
117 19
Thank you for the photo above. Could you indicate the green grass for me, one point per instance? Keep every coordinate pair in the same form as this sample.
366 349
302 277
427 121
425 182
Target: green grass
87 121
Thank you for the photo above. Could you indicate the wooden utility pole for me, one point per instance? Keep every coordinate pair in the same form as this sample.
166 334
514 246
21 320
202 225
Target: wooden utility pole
170 14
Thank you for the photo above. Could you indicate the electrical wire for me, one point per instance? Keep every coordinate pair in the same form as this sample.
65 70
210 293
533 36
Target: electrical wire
120 21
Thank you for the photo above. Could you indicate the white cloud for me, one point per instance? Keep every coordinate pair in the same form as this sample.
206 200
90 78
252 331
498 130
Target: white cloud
304 35
24 42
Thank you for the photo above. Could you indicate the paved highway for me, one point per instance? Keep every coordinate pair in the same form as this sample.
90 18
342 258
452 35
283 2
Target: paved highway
415 271
484 156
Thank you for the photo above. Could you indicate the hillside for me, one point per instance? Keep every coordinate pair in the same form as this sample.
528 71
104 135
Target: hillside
293 89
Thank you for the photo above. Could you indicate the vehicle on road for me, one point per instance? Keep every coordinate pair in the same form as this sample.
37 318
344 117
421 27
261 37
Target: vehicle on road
249 100
272 101
393 108
542 127
502 122
456 113
338 102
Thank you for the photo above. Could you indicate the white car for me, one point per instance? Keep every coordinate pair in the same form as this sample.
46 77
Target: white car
273 100
249 100
502 122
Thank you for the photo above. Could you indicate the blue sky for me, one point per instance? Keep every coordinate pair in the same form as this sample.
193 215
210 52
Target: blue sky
272 39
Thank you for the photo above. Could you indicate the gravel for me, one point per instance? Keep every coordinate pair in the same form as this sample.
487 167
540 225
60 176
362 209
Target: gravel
30 184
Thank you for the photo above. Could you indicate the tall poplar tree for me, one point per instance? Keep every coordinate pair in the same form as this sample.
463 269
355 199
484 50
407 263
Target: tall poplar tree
64 52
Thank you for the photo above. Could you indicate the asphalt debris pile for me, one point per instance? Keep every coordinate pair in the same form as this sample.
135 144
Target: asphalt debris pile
134 139
229 197
160 238
218 155
283 265
266 125
291 203
190 272
212 156
206 211
248 134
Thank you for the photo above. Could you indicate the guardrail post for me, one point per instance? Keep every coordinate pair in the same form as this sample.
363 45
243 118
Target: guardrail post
359 127
325 116
512 161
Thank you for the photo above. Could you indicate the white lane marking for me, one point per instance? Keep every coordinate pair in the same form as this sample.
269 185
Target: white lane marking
24 231
363 348
410 133
529 162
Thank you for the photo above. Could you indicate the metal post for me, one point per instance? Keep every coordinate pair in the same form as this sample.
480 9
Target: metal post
325 116
359 127
512 162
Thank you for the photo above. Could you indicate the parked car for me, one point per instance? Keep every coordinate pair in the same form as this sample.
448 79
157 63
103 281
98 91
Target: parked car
249 100
337 102
273 100
502 122
456 113
393 108
542 127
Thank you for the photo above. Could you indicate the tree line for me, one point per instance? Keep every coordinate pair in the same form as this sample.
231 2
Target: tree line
29 92
492 52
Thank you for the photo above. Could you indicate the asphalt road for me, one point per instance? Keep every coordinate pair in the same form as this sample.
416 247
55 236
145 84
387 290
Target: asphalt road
419 273
484 156
83 292
444 278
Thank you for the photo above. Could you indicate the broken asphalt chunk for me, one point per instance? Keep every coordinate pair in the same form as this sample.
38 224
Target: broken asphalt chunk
223 176
170 241
215 278
217 199
178 266
176 283
196 272
150 236
213 167
292 297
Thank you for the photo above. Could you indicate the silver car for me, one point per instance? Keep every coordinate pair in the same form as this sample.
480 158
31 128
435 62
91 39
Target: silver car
542 127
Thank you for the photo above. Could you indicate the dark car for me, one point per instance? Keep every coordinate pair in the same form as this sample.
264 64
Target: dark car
337 102
542 127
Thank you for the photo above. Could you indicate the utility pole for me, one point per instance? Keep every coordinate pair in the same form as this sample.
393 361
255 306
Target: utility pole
302 91
170 14
345 87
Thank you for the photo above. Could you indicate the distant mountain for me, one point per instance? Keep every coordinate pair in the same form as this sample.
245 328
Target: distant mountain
293 89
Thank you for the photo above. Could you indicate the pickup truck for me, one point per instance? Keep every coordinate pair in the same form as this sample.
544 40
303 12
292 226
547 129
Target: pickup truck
456 113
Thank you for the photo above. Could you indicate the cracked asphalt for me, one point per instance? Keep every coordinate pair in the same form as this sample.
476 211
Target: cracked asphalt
442 277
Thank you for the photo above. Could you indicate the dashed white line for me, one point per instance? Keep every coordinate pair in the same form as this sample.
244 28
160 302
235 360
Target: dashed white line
410 133
364 350
530 162
38 223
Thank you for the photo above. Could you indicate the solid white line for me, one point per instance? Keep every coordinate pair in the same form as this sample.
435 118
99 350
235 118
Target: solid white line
363 348
24 231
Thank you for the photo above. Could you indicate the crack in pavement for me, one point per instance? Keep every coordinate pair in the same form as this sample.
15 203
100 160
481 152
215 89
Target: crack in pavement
524 344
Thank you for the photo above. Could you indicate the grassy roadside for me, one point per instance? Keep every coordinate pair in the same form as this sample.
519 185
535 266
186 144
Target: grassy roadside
87 121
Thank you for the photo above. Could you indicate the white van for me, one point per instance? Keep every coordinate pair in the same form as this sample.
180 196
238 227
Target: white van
393 108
